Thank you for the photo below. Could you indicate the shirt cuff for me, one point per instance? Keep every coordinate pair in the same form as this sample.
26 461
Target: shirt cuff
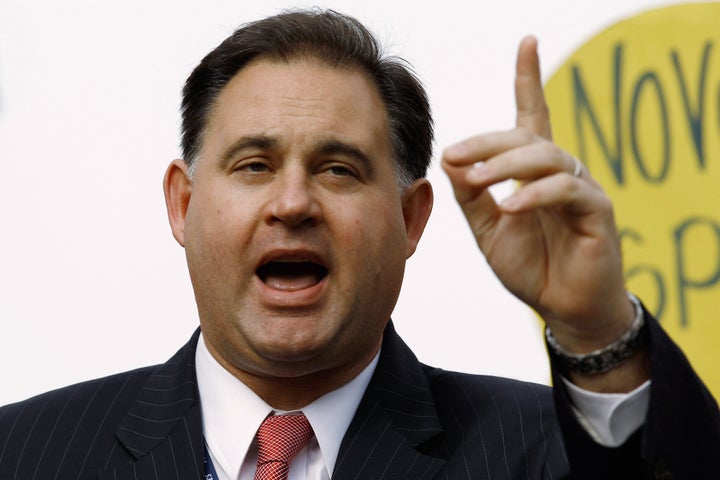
610 418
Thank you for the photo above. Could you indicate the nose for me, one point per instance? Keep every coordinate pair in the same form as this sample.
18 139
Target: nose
294 202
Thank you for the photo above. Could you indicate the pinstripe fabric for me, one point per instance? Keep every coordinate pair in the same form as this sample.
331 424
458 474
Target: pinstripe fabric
414 422
143 424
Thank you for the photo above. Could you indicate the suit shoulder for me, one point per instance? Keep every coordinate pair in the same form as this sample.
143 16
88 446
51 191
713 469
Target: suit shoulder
71 430
74 401
492 402
456 386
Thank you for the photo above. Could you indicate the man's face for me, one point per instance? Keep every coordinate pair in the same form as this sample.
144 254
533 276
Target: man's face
295 229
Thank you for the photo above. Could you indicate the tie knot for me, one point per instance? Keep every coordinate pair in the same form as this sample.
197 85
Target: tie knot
281 437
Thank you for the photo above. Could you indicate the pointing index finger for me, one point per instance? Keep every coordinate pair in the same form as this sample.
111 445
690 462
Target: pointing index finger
532 111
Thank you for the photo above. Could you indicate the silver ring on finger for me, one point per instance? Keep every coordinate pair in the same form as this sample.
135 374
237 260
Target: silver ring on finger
578 168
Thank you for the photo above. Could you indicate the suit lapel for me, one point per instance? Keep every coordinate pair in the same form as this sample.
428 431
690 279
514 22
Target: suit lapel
395 433
163 429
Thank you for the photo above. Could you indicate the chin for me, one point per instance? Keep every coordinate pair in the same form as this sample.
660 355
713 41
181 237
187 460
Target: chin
294 347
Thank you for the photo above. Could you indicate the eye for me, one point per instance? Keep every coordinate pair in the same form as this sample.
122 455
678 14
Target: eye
252 166
340 170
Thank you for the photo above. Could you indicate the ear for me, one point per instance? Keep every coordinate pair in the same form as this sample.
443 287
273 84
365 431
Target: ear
417 205
177 188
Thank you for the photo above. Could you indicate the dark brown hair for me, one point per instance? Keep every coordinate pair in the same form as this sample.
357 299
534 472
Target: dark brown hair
336 40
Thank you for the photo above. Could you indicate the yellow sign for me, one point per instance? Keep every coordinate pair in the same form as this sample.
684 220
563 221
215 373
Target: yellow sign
640 105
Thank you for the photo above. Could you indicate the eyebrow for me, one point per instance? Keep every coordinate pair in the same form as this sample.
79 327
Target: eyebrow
259 142
334 147
264 142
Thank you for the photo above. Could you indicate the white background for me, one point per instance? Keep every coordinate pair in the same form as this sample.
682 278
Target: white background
89 95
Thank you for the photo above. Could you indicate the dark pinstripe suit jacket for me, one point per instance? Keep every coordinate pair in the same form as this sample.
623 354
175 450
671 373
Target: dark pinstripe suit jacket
414 422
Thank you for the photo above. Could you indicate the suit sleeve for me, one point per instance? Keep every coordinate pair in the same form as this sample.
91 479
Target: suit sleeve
680 438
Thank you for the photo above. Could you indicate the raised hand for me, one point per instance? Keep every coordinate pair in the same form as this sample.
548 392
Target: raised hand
553 242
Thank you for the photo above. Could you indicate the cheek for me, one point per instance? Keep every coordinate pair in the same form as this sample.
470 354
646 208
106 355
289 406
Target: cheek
374 240
215 238
221 220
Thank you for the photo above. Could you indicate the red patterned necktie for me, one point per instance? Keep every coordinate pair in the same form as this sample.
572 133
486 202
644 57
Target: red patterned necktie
280 438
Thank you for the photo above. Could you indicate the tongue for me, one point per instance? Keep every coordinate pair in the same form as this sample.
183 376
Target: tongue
291 283
290 276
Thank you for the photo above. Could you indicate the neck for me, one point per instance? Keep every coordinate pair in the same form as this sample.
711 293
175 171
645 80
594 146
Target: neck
288 391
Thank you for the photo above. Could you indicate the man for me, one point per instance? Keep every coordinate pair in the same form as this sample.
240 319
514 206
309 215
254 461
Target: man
301 194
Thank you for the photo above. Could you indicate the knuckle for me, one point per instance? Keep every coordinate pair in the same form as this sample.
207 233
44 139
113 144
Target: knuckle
605 204
526 134
550 150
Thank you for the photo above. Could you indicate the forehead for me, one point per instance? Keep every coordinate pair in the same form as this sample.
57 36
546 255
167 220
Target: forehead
300 99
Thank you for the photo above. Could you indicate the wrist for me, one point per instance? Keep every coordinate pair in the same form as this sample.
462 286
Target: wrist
598 326
609 356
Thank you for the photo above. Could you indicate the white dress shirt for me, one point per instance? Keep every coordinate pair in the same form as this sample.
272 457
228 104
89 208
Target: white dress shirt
232 414
610 418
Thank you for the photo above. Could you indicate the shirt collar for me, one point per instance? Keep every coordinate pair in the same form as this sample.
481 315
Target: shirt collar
232 412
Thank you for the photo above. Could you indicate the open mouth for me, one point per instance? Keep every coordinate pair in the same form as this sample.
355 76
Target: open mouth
291 276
